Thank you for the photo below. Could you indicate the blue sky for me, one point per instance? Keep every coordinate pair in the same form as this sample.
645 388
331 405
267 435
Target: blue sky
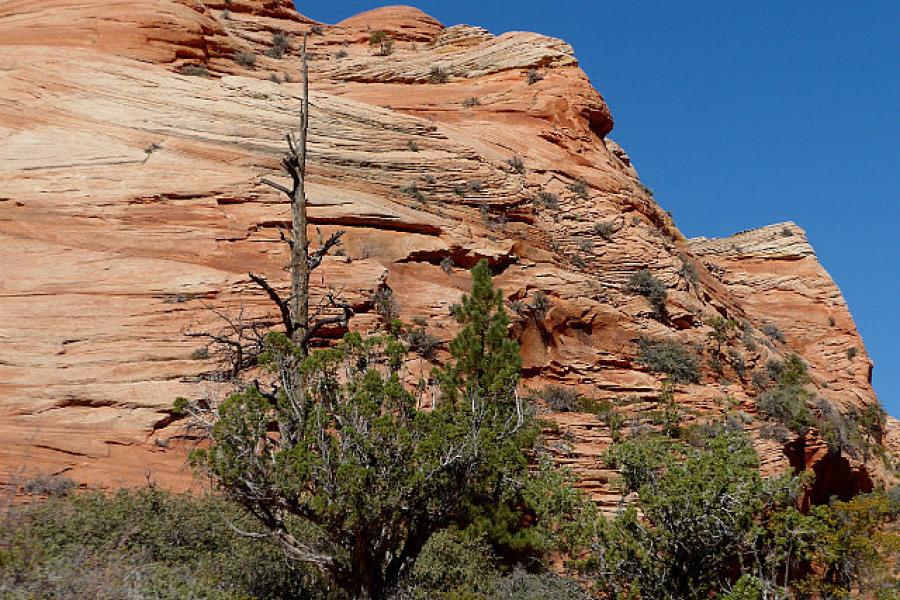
741 114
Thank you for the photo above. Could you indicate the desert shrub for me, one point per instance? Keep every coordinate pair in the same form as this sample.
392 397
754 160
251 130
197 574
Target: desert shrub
605 229
245 59
546 200
747 337
317 30
841 432
773 332
645 284
386 305
671 358
688 269
532 76
517 164
540 304
447 265
341 54
786 402
280 45
852 352
414 191
201 353
143 543
471 101
195 70
522 585
422 343
438 75
737 362
560 399
53 486
382 43
578 261
580 189
476 185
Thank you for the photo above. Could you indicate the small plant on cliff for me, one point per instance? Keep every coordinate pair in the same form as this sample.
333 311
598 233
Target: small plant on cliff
773 332
580 189
546 200
438 75
559 398
421 342
605 229
532 76
53 486
517 164
195 70
671 358
645 284
471 102
382 43
245 59
280 45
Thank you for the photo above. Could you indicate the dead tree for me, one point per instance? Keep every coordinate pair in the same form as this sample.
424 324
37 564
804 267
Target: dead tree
295 315
294 311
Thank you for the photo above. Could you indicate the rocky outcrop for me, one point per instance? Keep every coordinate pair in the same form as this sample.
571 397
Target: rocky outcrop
131 211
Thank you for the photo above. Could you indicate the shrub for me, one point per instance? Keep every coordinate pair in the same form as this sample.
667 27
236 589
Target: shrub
540 304
280 45
516 163
245 59
195 70
471 101
386 305
422 343
317 30
53 486
382 42
201 353
580 189
787 402
773 332
747 337
671 358
438 75
737 362
645 284
341 54
605 229
413 191
447 265
273 77
852 352
578 261
546 200
560 399
688 269
143 543
476 185
532 76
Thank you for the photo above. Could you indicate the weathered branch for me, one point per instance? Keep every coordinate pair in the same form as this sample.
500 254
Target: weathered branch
277 186
286 318
315 259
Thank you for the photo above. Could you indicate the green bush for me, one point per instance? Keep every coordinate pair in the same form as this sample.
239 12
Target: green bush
773 332
546 200
143 543
671 358
559 398
645 284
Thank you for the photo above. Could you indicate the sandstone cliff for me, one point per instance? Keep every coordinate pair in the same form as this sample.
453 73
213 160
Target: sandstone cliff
132 140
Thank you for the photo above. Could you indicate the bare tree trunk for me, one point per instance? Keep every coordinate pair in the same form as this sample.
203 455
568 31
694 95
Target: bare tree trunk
300 246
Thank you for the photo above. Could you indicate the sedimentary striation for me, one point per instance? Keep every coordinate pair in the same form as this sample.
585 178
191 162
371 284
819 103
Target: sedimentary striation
132 141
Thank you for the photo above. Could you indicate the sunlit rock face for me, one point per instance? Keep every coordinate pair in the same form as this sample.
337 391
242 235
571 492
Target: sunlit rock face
133 136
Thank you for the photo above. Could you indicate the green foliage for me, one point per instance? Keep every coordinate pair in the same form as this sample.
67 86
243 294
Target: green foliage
645 284
421 342
358 465
712 526
143 543
671 358
605 229
382 42
786 403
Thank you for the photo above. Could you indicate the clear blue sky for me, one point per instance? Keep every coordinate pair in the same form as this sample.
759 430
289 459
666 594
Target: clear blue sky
740 114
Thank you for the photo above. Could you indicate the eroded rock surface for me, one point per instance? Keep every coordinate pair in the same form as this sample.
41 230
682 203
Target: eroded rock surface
131 210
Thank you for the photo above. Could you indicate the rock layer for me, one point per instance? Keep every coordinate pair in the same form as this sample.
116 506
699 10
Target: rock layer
131 211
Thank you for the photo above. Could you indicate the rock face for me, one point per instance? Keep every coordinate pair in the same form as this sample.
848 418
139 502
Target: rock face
132 141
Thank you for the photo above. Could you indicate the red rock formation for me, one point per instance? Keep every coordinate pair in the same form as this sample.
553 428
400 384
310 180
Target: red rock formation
130 205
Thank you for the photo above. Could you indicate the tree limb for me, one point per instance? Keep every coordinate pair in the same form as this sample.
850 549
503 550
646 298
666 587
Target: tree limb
286 318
